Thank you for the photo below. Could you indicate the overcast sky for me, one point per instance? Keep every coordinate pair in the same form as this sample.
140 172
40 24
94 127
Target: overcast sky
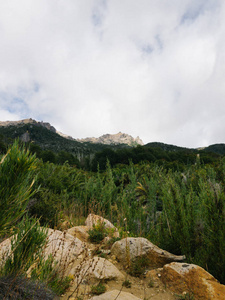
149 68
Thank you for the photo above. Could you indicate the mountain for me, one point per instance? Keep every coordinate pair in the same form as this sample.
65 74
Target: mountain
45 136
27 121
118 148
114 139
24 129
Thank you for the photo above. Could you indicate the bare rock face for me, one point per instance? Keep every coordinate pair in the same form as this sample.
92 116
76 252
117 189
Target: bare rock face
129 249
97 268
64 248
188 278
5 250
115 294
95 220
114 139
81 232
28 121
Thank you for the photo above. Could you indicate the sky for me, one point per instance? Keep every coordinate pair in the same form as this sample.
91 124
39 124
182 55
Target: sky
149 68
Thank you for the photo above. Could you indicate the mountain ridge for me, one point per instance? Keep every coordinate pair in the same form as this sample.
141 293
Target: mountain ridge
115 139
106 139
27 131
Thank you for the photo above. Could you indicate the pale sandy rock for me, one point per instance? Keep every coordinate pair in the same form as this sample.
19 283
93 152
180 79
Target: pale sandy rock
5 249
129 249
64 226
115 294
114 139
93 220
97 268
81 232
183 278
64 247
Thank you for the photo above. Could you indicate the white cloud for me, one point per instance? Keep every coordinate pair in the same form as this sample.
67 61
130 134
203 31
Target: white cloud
149 68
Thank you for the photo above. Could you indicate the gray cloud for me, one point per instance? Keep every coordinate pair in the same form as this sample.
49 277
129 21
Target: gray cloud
149 68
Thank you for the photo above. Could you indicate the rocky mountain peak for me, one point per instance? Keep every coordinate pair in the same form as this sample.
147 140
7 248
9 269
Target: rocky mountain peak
28 121
114 139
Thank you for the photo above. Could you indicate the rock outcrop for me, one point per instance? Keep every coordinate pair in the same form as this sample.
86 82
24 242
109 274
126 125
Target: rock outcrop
81 232
28 121
192 280
93 220
115 294
114 139
164 277
63 247
129 249
97 268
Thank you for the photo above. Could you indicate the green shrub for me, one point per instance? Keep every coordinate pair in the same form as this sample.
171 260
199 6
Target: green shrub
26 246
98 233
138 266
126 283
98 289
17 176
47 271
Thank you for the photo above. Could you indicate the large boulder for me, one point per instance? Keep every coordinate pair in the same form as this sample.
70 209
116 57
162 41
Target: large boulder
5 249
63 247
115 294
93 220
183 278
81 232
96 268
129 249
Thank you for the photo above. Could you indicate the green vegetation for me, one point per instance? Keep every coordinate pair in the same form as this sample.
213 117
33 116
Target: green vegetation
26 246
97 234
138 266
151 282
176 200
126 283
17 175
98 289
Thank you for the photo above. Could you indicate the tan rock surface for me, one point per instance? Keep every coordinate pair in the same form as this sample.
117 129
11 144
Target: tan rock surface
115 294
95 220
81 232
64 247
188 278
97 268
130 248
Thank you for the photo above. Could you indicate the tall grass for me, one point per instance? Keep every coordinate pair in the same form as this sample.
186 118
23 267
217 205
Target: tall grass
17 176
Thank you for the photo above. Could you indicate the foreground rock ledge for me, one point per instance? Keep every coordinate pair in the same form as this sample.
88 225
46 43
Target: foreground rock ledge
115 294
189 278
97 268
130 248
